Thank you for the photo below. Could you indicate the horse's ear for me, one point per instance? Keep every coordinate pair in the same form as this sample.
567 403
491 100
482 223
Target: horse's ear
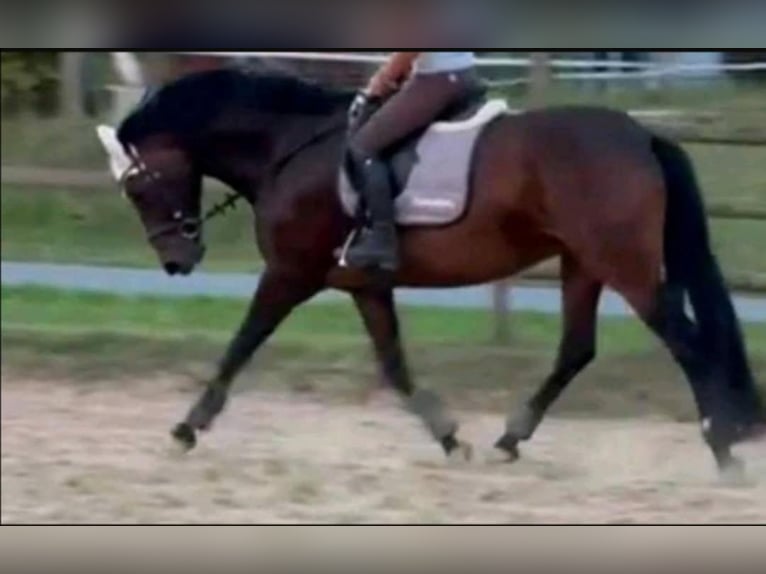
119 161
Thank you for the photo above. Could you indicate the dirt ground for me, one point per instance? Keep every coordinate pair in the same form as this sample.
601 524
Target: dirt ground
75 454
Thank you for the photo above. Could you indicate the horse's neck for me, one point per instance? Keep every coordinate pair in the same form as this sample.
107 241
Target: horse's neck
235 173
247 169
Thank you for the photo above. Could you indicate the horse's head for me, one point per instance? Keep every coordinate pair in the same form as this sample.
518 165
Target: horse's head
159 178
236 124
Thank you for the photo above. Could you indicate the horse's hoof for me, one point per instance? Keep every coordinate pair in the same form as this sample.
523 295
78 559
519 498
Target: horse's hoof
733 473
523 424
462 453
185 436
466 451
506 451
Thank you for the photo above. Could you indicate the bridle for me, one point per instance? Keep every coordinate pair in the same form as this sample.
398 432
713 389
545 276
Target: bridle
185 226
191 227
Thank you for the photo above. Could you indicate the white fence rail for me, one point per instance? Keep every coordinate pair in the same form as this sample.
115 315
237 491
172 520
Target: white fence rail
562 69
655 67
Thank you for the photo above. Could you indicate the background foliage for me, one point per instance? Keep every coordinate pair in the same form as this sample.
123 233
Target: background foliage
29 81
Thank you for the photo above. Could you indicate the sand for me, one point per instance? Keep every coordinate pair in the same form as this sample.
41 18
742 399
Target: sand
102 454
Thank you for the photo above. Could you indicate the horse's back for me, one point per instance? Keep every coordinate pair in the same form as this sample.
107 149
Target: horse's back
566 142
586 126
555 170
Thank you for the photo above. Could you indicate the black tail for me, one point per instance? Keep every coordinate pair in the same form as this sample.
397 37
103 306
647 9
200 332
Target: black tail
691 263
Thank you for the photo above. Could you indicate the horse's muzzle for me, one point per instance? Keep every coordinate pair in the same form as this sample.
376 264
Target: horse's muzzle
174 268
184 264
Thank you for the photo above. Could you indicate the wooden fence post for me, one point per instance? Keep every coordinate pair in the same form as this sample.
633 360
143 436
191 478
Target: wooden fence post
70 66
539 80
501 306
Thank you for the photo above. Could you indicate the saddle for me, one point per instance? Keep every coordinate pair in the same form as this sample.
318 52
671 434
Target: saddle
431 169
402 156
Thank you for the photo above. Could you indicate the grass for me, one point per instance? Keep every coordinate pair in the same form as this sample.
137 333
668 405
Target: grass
51 142
322 348
326 325
101 228
736 99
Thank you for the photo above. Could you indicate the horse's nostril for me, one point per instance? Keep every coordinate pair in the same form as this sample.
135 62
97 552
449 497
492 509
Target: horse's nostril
172 268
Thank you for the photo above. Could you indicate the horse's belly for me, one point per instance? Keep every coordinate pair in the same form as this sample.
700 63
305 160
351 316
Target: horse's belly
465 275
436 259
471 260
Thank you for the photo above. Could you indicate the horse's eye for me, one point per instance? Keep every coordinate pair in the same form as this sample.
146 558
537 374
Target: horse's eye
190 229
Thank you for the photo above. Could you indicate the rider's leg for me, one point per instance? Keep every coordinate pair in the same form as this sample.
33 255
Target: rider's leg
419 103
377 246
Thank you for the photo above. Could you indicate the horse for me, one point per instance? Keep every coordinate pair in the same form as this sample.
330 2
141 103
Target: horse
618 204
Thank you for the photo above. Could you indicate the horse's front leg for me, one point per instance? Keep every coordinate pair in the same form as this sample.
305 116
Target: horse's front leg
277 295
379 315
581 294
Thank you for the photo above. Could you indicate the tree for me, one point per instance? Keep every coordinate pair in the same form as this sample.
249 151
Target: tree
30 81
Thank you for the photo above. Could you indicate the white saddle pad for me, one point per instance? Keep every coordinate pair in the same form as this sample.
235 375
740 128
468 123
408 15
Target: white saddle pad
438 186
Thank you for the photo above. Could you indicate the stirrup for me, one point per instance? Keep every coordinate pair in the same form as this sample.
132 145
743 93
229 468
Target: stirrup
343 257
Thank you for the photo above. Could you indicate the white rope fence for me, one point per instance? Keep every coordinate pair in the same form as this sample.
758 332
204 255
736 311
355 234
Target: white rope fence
562 69
661 68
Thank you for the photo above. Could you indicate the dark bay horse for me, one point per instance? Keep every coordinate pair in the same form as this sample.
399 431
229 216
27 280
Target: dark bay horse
620 206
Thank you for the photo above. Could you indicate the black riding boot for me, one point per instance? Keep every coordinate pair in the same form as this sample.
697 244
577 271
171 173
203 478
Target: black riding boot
377 247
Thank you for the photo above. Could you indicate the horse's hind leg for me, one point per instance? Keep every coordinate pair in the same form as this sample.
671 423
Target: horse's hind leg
661 307
379 315
581 294
669 321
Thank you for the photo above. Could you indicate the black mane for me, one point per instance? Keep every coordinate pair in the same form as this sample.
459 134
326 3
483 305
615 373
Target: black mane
187 106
